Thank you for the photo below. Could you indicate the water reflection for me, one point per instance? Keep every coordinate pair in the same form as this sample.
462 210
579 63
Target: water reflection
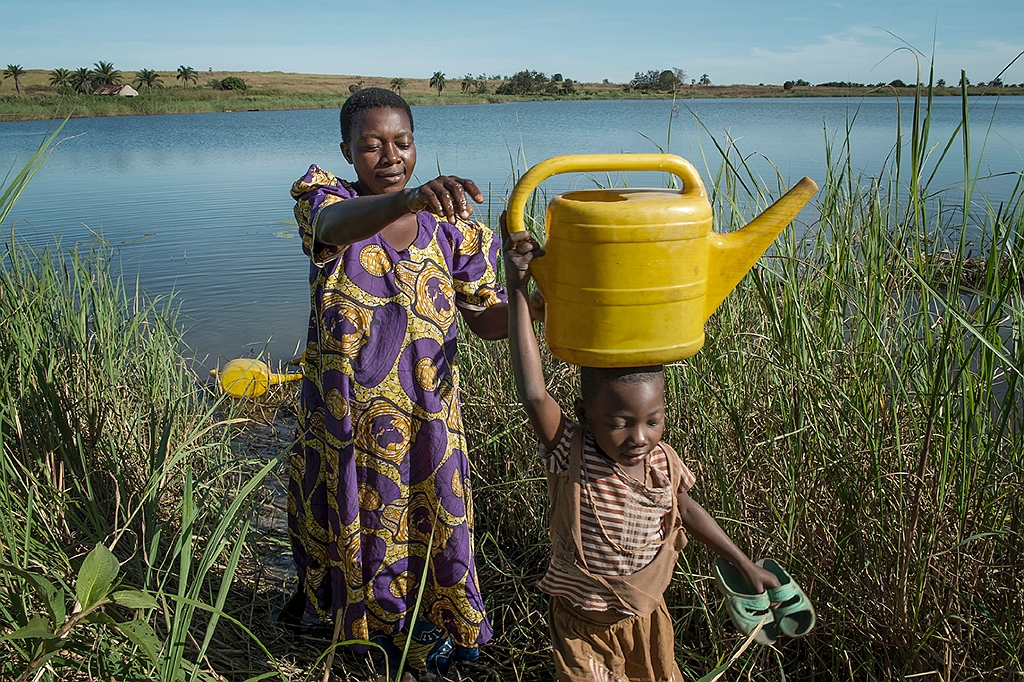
198 204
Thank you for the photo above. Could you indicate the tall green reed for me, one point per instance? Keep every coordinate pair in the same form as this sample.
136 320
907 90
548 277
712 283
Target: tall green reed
876 390
855 412
107 439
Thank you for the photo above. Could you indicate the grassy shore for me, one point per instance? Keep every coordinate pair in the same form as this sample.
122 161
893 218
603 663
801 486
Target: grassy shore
277 90
855 413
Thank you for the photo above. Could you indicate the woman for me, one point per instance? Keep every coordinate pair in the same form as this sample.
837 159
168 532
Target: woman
380 474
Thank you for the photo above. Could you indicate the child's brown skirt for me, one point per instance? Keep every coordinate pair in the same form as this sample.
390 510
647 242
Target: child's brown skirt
633 649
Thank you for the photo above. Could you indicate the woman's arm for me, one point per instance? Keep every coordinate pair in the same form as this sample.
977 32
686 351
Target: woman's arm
702 526
490 323
358 218
545 415
346 222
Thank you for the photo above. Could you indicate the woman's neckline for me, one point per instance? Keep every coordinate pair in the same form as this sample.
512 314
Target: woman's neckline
415 237
358 190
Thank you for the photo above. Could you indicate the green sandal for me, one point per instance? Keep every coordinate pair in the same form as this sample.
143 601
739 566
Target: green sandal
746 608
794 614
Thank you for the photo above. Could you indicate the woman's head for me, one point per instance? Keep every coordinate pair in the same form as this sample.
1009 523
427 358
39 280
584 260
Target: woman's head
365 100
377 139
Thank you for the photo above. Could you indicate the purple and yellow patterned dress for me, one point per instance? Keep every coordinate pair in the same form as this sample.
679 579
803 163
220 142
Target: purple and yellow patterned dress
381 458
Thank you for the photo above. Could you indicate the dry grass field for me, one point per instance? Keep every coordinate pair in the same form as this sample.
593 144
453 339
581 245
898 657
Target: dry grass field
36 82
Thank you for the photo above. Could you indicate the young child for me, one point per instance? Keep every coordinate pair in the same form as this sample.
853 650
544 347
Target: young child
620 509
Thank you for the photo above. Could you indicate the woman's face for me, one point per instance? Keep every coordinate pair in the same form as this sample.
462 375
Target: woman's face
382 150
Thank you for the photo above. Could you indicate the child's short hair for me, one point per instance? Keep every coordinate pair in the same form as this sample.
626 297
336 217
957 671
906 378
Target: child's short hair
594 379
366 99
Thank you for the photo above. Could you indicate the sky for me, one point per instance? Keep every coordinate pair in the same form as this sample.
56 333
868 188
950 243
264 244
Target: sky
732 41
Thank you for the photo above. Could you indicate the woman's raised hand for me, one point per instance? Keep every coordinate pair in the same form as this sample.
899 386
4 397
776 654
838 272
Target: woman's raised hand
445 195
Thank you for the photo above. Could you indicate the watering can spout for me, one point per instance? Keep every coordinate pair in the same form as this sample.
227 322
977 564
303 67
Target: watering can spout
733 254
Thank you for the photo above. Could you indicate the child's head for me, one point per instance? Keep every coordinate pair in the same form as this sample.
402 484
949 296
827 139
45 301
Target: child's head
624 408
376 132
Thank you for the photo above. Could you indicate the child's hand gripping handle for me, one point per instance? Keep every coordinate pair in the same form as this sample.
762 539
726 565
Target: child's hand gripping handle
519 250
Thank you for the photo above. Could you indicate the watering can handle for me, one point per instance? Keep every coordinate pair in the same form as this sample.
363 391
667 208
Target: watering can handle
594 163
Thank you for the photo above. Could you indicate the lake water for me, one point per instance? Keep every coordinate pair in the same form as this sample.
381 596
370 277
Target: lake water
199 205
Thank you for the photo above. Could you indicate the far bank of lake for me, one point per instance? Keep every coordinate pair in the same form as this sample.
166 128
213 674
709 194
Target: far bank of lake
277 91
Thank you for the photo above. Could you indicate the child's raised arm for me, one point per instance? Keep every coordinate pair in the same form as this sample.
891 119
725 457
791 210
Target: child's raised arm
544 413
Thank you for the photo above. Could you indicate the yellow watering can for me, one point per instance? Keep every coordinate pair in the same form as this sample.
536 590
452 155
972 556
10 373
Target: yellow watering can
249 378
631 275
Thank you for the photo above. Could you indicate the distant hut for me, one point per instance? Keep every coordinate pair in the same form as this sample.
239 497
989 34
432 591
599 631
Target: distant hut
118 90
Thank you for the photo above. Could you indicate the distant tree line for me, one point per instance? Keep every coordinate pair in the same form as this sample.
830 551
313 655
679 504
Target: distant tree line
526 82
667 80
896 83
228 83
521 83
476 84
536 83
84 81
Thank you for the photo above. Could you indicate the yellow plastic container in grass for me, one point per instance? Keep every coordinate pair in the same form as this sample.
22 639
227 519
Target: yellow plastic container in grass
631 275
249 378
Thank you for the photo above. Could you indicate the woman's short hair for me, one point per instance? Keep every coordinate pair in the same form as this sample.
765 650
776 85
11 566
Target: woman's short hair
366 99
594 379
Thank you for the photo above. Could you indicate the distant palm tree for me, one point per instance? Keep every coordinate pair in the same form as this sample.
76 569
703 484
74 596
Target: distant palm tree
149 78
397 84
60 78
104 73
705 80
186 74
81 81
16 72
437 81
467 82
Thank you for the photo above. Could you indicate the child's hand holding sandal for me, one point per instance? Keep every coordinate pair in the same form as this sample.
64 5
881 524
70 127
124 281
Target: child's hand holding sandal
784 610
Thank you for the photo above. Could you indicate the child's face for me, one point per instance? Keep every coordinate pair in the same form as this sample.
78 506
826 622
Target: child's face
627 419
382 150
